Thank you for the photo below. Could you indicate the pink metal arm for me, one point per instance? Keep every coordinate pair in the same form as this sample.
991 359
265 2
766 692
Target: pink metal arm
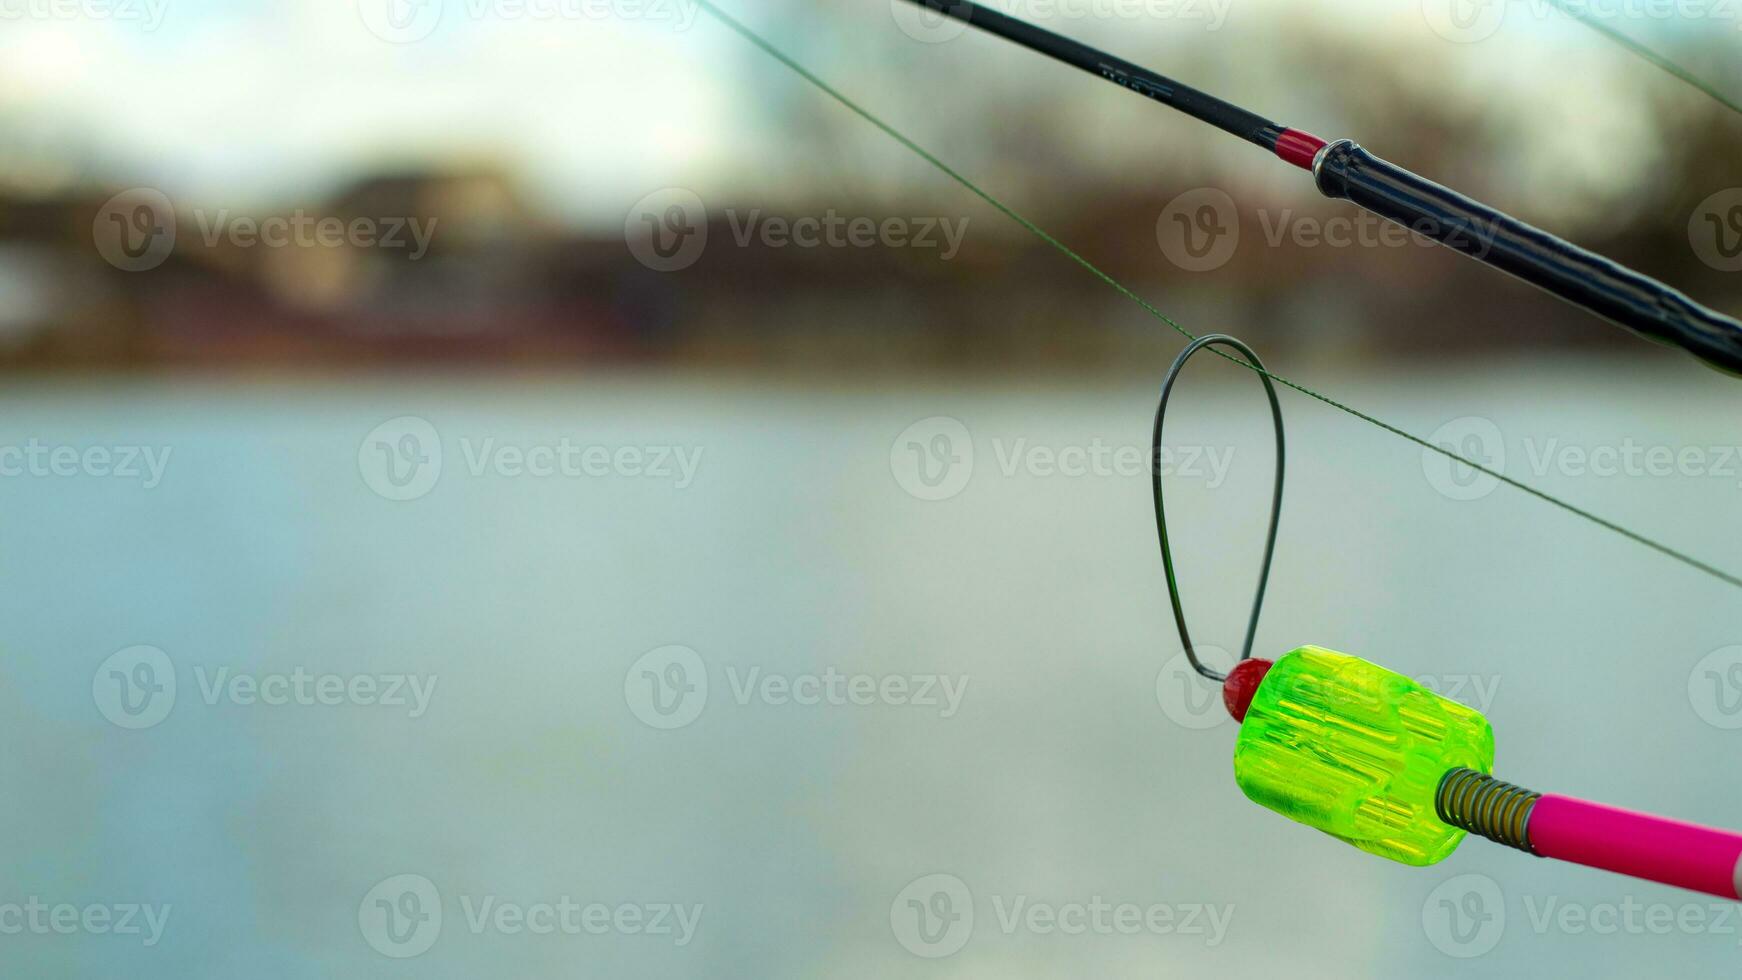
1654 848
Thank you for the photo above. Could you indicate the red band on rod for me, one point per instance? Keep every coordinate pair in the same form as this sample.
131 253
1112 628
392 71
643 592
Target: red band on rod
1298 148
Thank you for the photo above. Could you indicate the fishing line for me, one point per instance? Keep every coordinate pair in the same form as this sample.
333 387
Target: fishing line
777 54
1648 55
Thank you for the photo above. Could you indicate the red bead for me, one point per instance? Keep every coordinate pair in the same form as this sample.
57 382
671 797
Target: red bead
1241 684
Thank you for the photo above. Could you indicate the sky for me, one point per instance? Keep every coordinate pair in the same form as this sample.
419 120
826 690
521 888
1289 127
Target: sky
591 102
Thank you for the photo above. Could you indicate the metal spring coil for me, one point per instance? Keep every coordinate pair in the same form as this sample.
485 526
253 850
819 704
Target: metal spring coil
1481 804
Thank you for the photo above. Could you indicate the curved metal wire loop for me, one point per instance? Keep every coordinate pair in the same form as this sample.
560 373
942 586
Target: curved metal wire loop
1179 616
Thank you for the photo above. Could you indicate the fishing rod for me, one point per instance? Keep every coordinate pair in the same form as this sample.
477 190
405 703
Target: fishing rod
1343 170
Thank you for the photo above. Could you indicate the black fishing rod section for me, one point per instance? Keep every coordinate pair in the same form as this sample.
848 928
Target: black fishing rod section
1343 170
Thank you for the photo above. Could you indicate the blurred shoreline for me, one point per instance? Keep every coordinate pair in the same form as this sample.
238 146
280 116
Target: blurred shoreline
478 278
1569 370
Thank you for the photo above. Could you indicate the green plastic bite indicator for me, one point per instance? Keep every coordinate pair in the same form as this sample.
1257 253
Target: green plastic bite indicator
1357 751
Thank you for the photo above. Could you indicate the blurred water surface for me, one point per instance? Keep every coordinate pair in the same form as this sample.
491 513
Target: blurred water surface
1078 765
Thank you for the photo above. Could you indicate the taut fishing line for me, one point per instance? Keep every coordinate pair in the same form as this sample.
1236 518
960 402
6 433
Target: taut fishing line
777 54
1647 54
